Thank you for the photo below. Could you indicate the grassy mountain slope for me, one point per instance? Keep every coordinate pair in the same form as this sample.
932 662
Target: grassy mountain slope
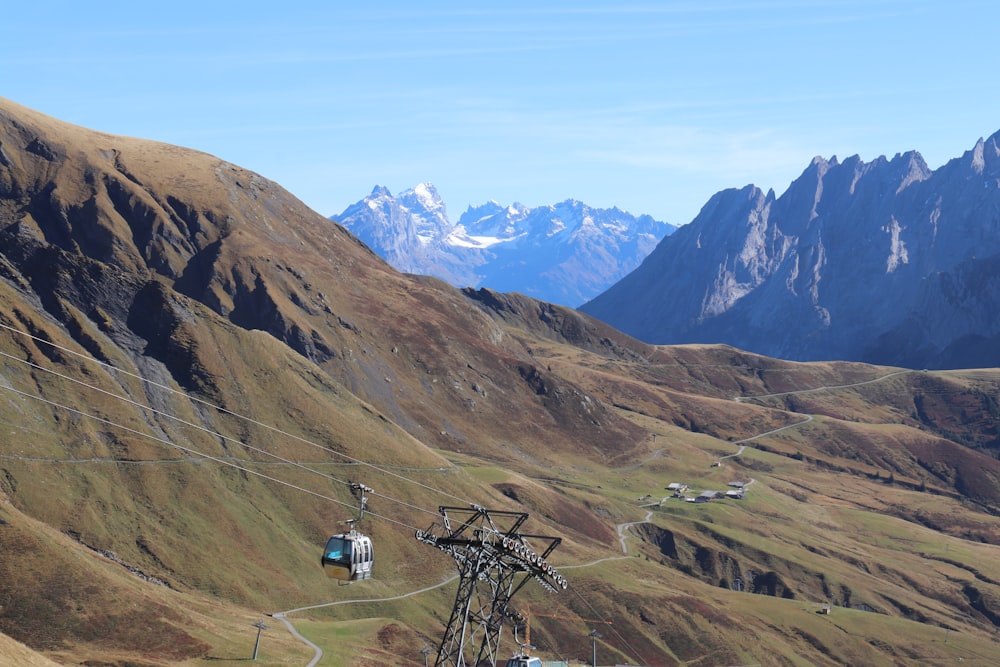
195 365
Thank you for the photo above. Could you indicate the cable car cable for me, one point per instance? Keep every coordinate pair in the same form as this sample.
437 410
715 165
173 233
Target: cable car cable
191 450
209 431
214 433
597 614
250 420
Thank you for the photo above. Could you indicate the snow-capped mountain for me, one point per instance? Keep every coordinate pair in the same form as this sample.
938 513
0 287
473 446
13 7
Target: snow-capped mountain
565 253
399 229
887 262
428 212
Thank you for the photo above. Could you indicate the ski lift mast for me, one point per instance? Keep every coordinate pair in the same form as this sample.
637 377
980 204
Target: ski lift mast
490 553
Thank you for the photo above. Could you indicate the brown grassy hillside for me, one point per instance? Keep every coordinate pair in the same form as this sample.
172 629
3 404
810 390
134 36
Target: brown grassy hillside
195 366
16 653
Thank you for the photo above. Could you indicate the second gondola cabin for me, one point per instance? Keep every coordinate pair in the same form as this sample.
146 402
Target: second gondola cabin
348 556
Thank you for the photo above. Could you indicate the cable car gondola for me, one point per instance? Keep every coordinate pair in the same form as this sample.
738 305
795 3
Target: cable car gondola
521 657
349 556
524 661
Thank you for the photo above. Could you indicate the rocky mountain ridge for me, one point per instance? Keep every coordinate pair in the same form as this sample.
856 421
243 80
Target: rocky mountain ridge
565 253
884 262
195 368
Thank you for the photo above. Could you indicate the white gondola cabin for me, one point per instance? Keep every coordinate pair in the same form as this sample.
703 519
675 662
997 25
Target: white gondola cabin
348 556
523 661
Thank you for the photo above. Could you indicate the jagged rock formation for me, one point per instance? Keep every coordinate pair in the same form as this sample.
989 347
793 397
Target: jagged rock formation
886 262
565 253
194 365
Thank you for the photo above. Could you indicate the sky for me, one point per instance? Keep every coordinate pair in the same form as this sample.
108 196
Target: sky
652 107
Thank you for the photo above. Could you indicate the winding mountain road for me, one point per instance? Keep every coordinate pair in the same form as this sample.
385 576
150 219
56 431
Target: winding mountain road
621 527
806 418
740 399
317 651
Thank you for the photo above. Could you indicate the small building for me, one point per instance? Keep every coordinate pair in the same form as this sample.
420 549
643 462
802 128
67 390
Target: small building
677 488
706 496
737 485
735 493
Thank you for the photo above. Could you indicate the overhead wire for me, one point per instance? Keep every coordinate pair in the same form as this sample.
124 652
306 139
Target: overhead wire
195 452
597 614
224 437
222 461
250 420
205 430
232 413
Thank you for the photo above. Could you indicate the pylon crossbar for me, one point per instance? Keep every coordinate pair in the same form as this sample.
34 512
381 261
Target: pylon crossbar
489 558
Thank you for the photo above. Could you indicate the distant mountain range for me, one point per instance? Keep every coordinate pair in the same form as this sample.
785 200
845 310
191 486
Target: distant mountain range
566 253
197 368
886 262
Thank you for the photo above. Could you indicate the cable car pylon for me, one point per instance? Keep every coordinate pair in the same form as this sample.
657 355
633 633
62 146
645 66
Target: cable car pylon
490 553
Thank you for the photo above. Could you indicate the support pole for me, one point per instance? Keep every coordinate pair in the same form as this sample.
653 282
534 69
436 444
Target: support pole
594 634
256 646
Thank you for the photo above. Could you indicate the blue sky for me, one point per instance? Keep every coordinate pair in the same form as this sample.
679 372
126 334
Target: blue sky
651 107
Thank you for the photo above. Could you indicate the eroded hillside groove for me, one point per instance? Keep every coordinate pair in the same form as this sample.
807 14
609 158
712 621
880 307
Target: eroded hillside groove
258 329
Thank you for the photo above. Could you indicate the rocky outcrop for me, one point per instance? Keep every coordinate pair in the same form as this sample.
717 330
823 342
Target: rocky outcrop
885 262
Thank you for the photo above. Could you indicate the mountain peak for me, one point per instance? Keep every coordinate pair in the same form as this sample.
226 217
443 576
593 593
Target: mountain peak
426 190
475 213
138 268
562 253
882 261
423 199
985 156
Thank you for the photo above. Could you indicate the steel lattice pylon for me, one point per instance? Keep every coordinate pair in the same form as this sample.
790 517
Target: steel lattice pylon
490 553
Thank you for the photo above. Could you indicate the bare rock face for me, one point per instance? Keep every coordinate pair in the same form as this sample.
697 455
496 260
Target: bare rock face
884 262
150 295
564 253
152 244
